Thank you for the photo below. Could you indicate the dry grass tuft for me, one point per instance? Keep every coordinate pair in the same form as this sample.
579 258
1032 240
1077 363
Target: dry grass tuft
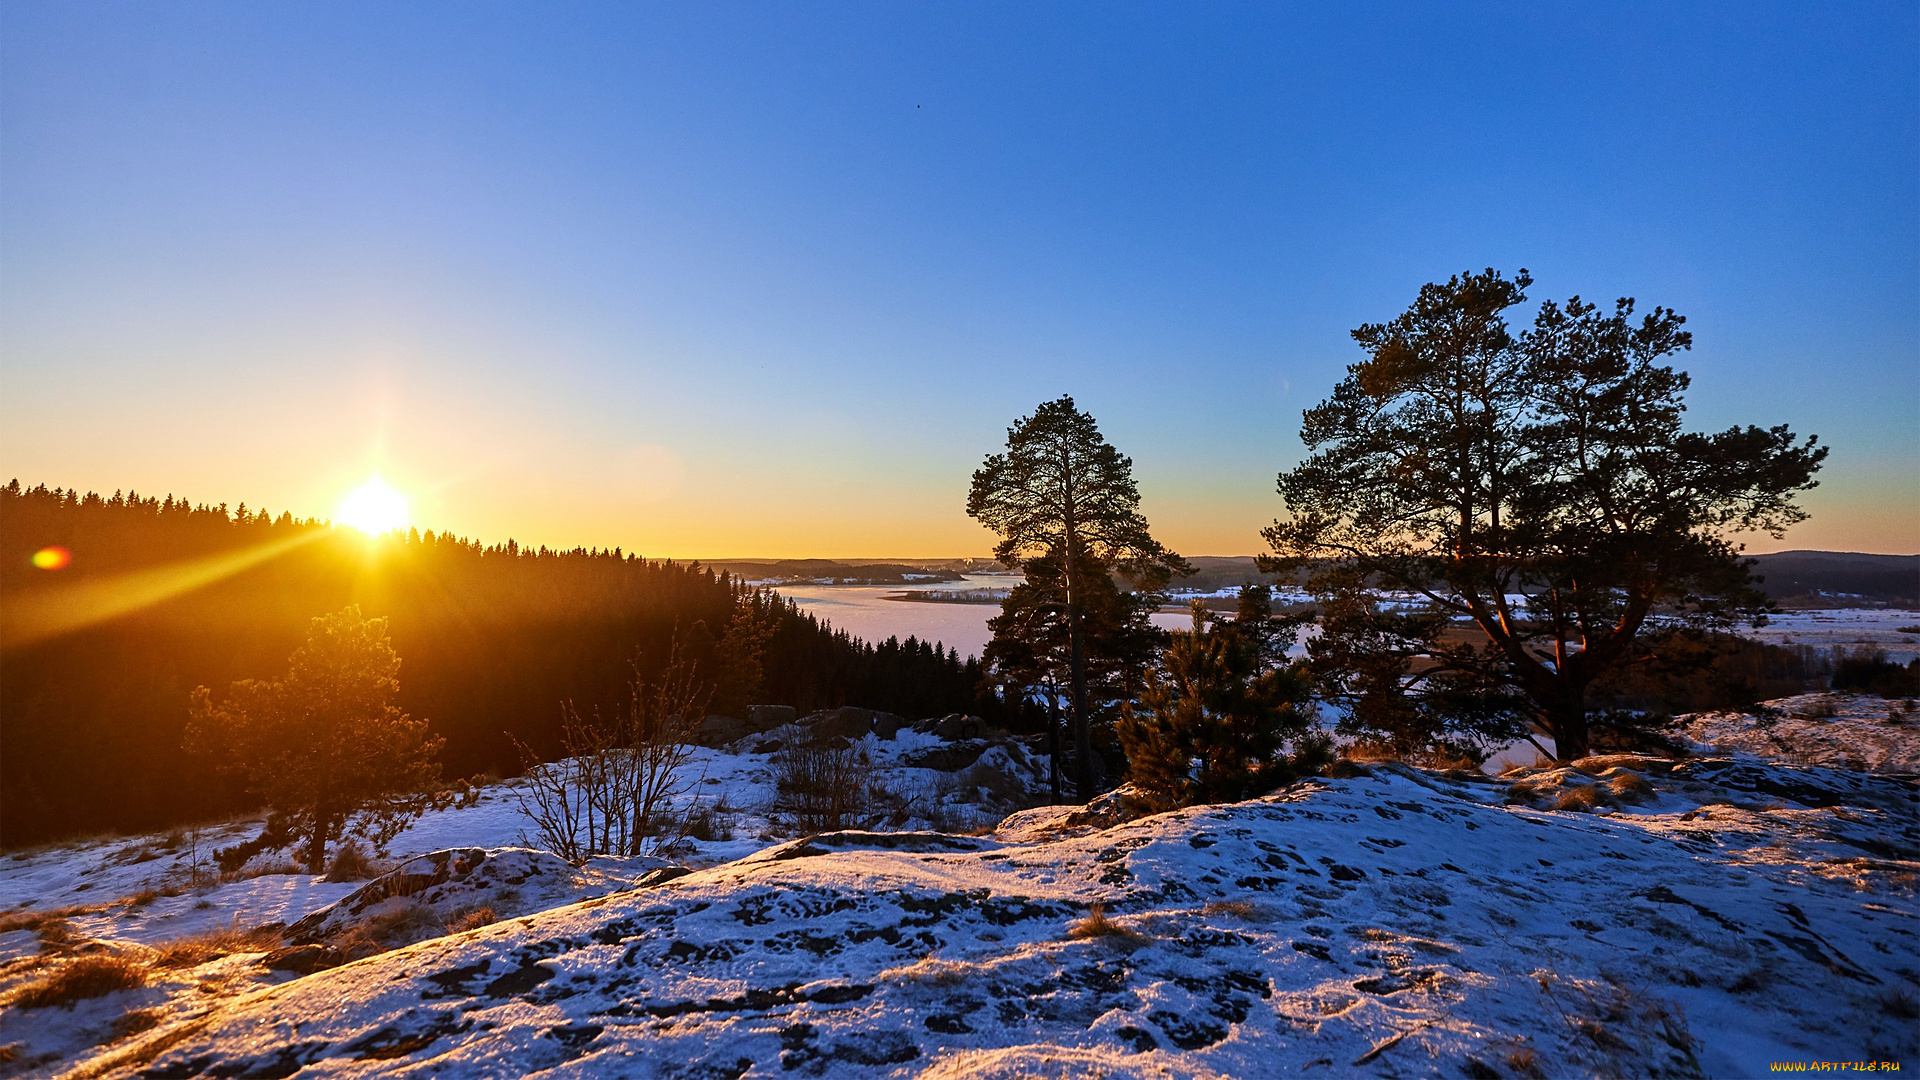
285 867
472 919
1631 787
931 971
1524 1062
197 949
1098 925
80 978
1244 910
1521 791
1580 797
1899 1004
133 1022
352 862
29 919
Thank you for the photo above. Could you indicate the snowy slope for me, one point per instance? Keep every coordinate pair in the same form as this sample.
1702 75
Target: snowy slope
1398 923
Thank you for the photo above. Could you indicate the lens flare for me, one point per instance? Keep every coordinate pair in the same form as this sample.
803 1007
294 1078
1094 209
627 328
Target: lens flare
374 508
52 558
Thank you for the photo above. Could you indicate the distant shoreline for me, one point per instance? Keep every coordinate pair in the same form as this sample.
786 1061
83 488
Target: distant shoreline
950 596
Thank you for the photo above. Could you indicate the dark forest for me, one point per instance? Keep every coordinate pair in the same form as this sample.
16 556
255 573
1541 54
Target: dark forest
492 638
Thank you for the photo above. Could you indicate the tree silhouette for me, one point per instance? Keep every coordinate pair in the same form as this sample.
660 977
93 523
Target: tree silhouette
1061 492
1537 487
322 747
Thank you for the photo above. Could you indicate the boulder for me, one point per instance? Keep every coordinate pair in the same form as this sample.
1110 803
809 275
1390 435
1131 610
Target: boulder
302 959
718 731
953 727
851 722
949 758
768 717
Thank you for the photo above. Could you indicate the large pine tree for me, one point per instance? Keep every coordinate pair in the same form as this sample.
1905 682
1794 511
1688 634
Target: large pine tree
1061 492
1537 488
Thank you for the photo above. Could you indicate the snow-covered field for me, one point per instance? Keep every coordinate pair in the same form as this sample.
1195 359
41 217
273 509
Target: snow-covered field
1630 916
1851 628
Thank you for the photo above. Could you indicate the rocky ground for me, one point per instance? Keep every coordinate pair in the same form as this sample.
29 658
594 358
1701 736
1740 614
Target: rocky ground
1623 916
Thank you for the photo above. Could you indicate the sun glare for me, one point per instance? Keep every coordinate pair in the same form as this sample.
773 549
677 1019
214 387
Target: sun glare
374 508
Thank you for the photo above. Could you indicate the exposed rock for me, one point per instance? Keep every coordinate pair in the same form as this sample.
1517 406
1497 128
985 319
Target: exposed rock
509 881
851 722
301 959
718 731
768 717
949 758
953 727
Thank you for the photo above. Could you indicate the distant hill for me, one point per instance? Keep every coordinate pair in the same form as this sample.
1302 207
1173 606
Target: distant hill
1796 578
1839 578
851 572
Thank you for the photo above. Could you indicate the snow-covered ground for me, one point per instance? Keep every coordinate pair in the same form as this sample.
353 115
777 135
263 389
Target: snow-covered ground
1628 916
1852 628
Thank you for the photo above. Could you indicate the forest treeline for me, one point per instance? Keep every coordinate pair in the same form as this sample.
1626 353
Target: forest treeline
493 638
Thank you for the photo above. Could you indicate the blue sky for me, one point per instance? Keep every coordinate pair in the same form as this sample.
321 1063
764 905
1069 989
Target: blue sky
728 280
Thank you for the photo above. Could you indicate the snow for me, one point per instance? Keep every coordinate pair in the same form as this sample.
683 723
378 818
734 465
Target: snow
1851 628
1700 916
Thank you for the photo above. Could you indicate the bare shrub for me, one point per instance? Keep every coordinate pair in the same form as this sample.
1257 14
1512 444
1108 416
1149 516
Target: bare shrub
823 786
711 821
1900 1004
1524 1062
612 793
80 978
1098 925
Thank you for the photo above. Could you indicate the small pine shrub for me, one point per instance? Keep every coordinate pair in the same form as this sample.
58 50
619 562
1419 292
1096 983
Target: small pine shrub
80 978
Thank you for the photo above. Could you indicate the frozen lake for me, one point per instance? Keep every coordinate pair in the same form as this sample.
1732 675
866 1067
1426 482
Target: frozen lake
865 612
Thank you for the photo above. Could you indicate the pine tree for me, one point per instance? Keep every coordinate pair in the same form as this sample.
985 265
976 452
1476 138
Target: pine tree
1062 493
1215 724
323 748
1536 487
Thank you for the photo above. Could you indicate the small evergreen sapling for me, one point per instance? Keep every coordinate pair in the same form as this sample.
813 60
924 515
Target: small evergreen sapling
1215 724
323 748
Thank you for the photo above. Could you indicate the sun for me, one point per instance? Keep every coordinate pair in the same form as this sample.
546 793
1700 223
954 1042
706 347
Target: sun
374 508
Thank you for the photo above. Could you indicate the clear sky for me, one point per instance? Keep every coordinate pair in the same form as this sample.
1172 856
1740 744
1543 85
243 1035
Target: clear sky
713 279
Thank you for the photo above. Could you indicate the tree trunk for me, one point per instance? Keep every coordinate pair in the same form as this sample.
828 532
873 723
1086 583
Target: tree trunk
1077 664
317 843
1053 738
1567 723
